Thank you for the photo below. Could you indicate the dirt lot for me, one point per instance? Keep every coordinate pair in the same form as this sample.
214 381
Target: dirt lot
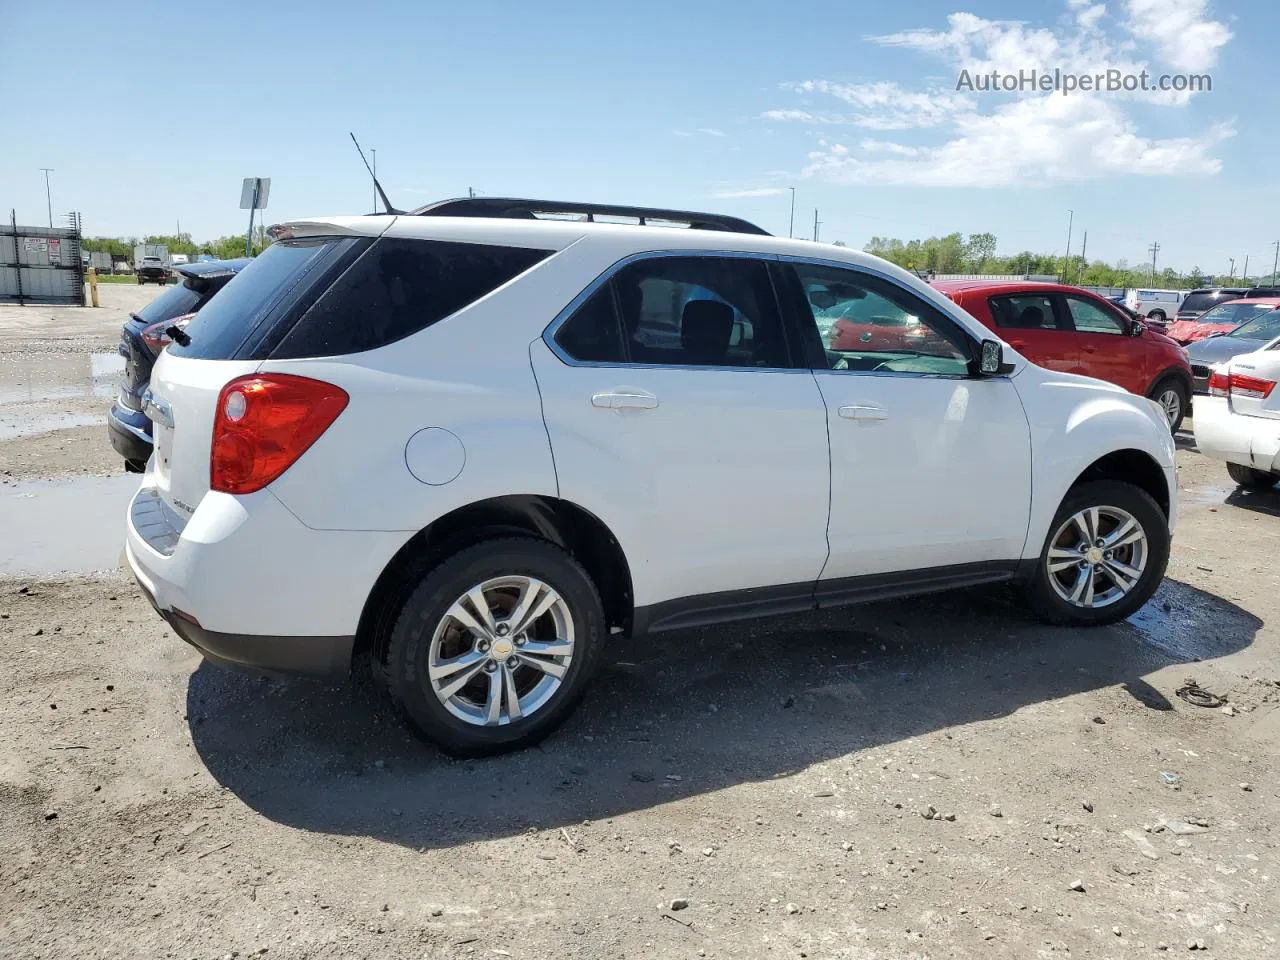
918 779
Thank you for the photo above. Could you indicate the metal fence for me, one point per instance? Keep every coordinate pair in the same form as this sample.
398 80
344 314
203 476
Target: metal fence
41 264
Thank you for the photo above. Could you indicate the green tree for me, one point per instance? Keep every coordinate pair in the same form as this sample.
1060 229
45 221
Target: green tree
979 248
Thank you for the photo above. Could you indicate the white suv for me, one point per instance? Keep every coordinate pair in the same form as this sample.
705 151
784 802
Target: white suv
473 442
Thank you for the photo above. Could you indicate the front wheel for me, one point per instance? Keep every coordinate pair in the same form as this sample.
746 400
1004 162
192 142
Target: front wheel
1251 479
1157 316
1104 556
1172 396
495 647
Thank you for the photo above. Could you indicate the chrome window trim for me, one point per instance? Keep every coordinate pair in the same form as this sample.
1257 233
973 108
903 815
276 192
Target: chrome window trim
549 333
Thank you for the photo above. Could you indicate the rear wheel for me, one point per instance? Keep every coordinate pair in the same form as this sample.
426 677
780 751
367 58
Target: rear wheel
495 647
1172 396
1250 478
1103 558
135 466
1157 316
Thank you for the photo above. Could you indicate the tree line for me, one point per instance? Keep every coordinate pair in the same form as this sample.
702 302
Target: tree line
976 253
224 248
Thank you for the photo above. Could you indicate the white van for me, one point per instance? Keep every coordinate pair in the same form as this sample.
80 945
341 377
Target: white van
1159 305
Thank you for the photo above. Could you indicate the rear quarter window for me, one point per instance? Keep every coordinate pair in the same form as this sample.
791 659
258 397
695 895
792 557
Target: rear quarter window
399 287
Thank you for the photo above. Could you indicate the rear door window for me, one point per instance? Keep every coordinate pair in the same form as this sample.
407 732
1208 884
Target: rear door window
398 287
1024 312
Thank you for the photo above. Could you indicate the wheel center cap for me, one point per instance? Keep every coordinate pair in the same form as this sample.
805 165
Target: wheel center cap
1094 555
501 649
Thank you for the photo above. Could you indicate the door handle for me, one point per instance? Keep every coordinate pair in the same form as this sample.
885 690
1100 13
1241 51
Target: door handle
864 412
1087 348
624 400
1018 344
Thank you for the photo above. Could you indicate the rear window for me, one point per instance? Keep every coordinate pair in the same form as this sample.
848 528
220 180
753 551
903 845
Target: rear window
174 302
397 288
235 322
1202 300
1234 312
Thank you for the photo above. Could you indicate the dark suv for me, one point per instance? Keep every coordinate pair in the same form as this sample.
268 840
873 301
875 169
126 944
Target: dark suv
144 335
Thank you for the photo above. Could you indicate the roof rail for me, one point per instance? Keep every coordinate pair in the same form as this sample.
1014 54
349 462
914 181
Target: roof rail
511 208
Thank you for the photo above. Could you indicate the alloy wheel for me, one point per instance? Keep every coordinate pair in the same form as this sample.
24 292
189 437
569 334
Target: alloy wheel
1171 402
501 651
1097 556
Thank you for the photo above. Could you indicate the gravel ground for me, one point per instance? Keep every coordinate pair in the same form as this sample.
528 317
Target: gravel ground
920 779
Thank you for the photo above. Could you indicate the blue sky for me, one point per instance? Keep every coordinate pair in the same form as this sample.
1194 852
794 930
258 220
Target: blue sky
701 104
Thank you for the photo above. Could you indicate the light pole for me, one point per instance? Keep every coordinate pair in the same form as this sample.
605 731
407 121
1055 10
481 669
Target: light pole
47 198
374 154
791 227
1071 216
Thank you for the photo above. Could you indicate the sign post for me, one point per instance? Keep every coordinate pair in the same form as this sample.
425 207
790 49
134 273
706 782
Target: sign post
253 196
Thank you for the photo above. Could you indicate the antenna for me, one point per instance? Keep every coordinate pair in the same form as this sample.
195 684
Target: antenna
382 193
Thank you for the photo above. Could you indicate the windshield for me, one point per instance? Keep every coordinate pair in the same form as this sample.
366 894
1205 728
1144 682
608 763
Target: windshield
174 302
1233 313
1263 328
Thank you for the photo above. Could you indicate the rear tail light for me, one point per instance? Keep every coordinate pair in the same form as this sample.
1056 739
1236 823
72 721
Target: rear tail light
1254 387
155 337
1224 385
264 424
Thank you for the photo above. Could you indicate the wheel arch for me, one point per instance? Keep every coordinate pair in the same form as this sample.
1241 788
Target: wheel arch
1171 372
565 524
1129 466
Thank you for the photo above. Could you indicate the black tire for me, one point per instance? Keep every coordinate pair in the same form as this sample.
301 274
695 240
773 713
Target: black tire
1044 600
408 651
1157 315
1174 385
135 466
1251 479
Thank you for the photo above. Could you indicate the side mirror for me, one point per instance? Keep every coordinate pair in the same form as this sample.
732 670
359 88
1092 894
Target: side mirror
1136 328
991 362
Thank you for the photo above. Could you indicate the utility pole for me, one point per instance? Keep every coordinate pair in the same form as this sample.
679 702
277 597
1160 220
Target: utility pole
1071 216
1083 247
374 154
47 197
471 193
1153 250
1245 276
1232 274
791 224
1275 263
816 224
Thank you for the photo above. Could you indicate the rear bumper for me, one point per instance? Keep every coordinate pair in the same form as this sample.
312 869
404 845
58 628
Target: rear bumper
324 657
130 433
1248 441
246 583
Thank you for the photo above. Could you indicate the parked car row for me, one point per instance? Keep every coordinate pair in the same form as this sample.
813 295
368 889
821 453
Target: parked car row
470 444
144 335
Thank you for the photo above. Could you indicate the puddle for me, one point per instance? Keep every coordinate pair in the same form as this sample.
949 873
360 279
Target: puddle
69 525
29 379
1204 496
28 425
1191 625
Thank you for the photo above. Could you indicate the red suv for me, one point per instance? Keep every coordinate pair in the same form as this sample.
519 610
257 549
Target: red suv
1075 331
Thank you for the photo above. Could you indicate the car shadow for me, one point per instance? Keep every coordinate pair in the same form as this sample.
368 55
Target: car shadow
687 713
1259 501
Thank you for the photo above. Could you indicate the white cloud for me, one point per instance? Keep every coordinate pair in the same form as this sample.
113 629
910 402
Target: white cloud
1029 137
711 132
1178 28
751 192
1028 141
